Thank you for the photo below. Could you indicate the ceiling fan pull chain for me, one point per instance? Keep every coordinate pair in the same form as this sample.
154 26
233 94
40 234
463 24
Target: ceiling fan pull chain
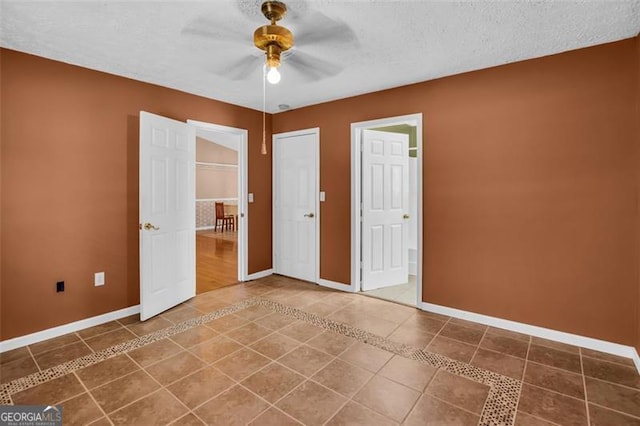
263 149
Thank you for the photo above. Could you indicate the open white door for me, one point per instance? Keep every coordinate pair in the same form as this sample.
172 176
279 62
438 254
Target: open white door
167 214
295 157
385 208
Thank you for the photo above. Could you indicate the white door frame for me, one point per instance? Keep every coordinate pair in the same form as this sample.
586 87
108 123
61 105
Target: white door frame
243 211
356 196
314 131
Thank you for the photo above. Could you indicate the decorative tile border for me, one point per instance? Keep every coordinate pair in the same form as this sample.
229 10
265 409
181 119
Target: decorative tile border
502 401
499 409
27 382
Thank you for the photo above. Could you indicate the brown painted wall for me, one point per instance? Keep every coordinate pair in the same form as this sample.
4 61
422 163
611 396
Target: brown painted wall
529 188
70 187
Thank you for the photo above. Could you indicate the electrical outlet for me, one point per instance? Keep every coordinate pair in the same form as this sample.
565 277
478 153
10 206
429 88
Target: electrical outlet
59 286
98 279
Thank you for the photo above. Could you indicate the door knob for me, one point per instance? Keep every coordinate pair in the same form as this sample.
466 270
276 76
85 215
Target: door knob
405 216
309 215
149 227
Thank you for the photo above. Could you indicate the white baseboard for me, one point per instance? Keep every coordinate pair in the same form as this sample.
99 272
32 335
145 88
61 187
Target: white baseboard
413 268
335 285
50 333
533 330
205 228
260 274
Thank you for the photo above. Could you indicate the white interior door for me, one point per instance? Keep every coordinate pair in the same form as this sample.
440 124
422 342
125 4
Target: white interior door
295 204
167 214
385 209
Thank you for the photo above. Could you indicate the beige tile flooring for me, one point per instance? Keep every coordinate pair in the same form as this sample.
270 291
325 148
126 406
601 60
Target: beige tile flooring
402 293
261 367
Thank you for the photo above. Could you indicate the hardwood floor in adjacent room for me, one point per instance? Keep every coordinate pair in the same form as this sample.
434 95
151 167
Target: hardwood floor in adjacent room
216 259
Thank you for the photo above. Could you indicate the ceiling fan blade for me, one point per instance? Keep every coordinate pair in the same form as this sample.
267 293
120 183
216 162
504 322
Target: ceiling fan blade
215 32
242 68
319 28
310 67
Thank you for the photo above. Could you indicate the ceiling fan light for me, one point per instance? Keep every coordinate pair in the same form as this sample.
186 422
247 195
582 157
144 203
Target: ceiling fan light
273 76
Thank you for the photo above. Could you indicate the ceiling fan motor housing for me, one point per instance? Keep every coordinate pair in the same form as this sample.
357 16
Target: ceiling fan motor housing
273 39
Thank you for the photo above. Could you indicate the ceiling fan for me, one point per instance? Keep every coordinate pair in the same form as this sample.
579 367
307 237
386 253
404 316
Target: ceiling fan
276 42
273 39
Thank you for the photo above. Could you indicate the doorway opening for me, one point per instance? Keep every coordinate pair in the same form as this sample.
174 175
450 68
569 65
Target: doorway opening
387 208
220 236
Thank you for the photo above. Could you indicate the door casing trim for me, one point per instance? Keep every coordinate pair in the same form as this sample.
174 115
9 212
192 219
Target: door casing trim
356 195
243 170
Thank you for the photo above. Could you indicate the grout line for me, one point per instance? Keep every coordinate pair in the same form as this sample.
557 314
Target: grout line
57 347
162 387
33 358
206 401
584 387
524 372
609 361
198 417
614 363
269 405
441 328
117 378
177 399
553 391
540 418
92 398
542 342
286 414
470 361
305 379
90 348
97 420
613 383
559 369
614 410
156 361
62 401
478 345
454 405
137 399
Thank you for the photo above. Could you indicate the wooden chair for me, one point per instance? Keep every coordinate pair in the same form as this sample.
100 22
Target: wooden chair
222 220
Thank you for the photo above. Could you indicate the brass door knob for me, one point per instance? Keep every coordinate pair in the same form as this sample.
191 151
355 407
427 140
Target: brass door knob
149 227
309 215
405 216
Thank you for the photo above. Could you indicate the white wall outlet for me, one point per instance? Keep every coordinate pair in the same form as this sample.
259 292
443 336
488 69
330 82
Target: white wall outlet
98 279
322 196
250 197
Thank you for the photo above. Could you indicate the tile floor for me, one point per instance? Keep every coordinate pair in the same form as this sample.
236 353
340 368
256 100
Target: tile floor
402 293
263 367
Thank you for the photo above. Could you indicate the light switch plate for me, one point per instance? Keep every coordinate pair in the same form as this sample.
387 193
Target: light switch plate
322 196
98 279
251 197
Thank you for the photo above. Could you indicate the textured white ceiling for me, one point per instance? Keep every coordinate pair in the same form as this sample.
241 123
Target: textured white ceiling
185 45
